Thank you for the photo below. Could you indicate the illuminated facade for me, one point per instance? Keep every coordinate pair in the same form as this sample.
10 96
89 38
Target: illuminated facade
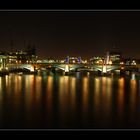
28 56
115 57
73 60
97 60
131 61
3 59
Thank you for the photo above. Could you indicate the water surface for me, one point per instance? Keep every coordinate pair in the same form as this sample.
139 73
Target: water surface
75 101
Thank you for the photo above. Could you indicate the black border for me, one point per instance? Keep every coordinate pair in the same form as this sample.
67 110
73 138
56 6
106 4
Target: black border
70 5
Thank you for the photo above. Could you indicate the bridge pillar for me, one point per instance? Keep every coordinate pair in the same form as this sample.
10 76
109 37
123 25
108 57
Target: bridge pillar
2 63
133 76
104 69
67 68
32 68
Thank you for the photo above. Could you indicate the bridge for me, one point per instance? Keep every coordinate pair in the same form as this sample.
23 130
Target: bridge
105 67
67 66
75 67
70 64
29 67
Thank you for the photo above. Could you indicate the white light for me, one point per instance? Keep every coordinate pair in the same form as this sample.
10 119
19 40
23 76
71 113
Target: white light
66 68
32 68
133 76
104 69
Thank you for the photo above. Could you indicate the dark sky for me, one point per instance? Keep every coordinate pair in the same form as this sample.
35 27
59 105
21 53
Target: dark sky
74 33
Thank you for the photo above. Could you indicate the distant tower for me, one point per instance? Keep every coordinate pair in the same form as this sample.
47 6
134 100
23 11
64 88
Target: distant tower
107 58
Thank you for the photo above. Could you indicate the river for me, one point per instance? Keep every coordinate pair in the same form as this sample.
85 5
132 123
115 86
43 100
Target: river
73 101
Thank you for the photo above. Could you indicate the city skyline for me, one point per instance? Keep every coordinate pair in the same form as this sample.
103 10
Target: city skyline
69 69
74 33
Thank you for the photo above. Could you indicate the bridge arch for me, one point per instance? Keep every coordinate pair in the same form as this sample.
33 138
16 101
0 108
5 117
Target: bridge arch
67 67
29 67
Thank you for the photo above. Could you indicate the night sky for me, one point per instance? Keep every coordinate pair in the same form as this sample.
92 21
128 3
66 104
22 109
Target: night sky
75 33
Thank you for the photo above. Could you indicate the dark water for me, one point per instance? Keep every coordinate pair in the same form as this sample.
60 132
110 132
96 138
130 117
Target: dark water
76 101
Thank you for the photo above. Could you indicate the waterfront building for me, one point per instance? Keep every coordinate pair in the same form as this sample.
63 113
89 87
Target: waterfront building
97 60
130 61
115 57
3 59
27 56
73 60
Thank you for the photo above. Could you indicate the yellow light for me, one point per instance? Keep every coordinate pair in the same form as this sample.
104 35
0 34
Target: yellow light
97 62
73 61
121 63
62 61
110 62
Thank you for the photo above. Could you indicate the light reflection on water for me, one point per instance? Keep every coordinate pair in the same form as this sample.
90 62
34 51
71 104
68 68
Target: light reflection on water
73 92
49 92
85 93
133 99
51 101
96 93
121 96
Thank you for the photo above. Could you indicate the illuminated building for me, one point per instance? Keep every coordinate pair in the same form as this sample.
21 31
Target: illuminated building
130 61
73 60
115 57
28 56
3 59
97 60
